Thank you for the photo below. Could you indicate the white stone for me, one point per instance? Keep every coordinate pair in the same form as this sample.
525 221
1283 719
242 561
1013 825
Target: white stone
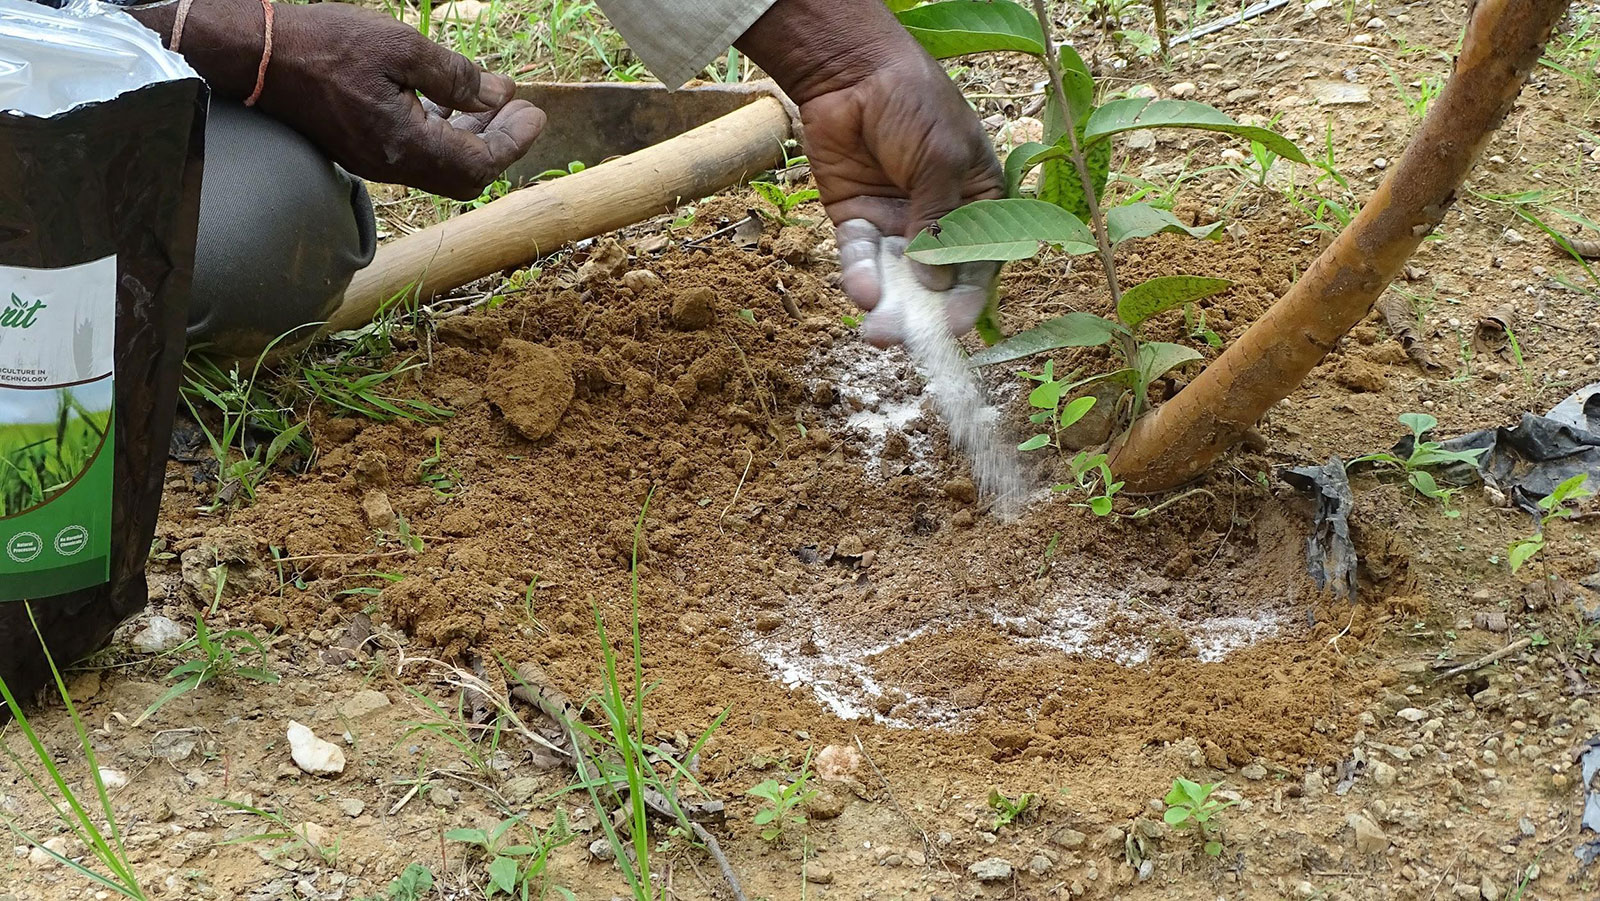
1183 89
1513 236
1369 838
1382 773
159 635
837 762
312 754
113 779
1339 93
1412 715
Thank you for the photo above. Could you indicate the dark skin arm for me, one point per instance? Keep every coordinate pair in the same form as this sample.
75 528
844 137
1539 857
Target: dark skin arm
347 78
892 142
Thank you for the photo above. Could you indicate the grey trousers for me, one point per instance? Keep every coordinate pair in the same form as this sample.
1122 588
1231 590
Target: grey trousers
282 231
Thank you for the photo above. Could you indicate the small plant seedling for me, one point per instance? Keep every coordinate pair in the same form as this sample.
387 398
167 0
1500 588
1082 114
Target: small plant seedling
782 810
573 168
783 201
1010 810
284 831
1425 455
1091 475
1048 409
217 661
413 884
1190 806
445 481
1551 507
517 870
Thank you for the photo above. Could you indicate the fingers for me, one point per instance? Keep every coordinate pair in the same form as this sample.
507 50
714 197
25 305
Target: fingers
461 161
965 292
969 293
454 82
859 241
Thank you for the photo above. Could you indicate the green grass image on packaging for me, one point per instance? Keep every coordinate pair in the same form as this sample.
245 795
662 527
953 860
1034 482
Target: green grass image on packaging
47 439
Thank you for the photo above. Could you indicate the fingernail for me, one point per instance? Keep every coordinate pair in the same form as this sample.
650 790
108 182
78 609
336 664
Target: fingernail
495 91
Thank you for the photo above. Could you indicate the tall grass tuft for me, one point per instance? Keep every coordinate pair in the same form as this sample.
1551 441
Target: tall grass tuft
105 845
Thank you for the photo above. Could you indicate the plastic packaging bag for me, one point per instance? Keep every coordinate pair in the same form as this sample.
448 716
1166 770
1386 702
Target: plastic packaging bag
100 161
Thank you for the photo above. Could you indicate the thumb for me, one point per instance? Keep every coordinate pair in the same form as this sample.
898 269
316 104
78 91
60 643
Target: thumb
453 81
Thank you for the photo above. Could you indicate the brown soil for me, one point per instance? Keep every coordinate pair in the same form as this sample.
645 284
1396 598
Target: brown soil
813 562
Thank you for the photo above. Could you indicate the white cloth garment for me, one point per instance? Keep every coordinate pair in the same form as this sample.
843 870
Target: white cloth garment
676 39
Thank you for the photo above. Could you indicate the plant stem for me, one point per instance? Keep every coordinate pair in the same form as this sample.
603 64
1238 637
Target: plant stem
1161 24
1130 346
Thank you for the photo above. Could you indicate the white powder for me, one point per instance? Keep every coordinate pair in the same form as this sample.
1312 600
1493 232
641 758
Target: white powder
974 425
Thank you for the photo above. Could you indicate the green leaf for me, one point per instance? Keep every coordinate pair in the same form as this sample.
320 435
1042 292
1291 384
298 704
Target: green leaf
1071 330
1141 220
1158 295
469 836
1424 482
1100 505
1018 163
763 817
960 27
1060 183
998 230
1034 443
412 884
1214 849
1077 82
1079 87
503 875
1571 489
1176 815
1157 358
1419 423
189 684
1077 410
1523 551
1138 112
1047 395
988 324
282 441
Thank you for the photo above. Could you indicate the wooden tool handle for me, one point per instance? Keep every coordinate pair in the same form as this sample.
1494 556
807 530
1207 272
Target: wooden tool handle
520 227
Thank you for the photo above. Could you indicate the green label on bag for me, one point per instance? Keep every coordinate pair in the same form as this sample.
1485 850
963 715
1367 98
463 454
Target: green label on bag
57 347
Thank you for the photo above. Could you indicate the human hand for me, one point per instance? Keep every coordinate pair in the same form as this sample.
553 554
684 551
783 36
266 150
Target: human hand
348 78
965 288
892 143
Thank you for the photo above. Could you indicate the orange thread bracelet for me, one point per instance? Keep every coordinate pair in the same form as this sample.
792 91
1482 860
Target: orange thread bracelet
178 19
266 55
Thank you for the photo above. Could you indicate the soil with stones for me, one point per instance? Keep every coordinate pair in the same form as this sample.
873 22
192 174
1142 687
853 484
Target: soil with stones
814 563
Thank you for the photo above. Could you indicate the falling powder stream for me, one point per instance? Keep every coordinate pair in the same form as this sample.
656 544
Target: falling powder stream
973 424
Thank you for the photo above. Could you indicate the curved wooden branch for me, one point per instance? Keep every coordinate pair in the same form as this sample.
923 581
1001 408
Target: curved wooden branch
1177 442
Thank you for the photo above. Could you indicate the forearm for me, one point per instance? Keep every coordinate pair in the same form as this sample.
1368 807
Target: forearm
222 40
811 47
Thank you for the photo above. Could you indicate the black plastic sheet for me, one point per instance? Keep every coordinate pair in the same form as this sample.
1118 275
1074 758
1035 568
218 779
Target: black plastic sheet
1525 462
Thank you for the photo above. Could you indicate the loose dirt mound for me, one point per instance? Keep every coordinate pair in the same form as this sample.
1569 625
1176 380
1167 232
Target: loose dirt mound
812 557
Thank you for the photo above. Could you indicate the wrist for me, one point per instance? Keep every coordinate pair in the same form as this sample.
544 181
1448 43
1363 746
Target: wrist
222 40
814 47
